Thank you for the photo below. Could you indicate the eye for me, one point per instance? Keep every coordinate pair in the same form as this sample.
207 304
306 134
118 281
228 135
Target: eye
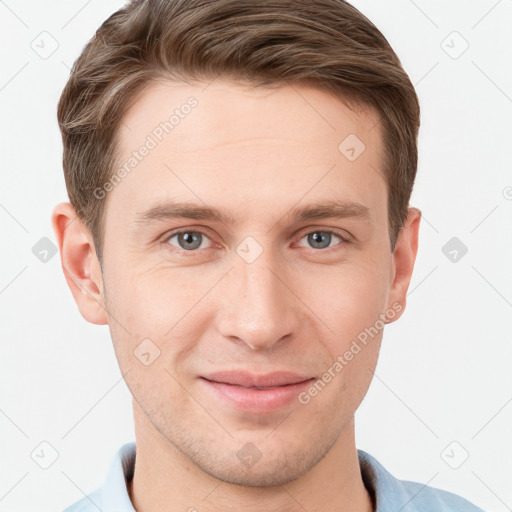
321 239
193 240
188 240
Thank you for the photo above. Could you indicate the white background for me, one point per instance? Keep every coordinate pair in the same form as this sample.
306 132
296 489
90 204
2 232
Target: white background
444 372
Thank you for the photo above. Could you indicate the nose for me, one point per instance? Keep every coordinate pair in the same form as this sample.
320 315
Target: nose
259 307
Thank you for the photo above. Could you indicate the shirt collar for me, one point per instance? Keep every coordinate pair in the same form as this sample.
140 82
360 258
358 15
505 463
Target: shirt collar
387 492
115 497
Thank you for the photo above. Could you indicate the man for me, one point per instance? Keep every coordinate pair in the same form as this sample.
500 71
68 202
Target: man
239 175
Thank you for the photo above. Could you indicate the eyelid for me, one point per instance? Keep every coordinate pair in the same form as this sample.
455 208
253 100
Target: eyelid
344 239
344 235
202 231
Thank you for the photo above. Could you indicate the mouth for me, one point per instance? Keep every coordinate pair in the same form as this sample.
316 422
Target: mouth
256 397
254 387
254 381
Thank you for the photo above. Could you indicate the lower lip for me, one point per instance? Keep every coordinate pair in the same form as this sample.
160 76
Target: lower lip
257 400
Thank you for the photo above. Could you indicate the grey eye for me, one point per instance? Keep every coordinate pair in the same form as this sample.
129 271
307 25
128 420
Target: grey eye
320 239
188 240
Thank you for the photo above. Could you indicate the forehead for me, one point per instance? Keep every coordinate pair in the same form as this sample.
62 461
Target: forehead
235 142
233 111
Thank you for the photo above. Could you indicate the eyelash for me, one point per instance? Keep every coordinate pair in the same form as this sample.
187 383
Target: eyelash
344 240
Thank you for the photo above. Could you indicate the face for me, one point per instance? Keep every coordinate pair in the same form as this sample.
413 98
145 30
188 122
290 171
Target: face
286 271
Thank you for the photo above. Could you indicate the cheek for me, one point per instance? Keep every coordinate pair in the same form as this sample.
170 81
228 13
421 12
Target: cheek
156 317
351 300
351 308
150 302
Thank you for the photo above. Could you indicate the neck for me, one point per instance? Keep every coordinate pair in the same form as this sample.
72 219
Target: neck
165 479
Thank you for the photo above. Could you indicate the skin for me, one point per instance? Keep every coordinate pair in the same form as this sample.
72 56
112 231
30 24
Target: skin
257 154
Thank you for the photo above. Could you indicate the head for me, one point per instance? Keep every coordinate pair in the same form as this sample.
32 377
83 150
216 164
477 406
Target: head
239 176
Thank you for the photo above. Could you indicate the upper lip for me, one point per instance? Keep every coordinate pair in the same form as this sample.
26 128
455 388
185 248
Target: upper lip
246 379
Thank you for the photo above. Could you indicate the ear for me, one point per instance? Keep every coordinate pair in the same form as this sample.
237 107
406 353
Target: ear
80 264
402 263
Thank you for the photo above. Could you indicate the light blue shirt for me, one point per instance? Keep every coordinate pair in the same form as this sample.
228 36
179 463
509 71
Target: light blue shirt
389 493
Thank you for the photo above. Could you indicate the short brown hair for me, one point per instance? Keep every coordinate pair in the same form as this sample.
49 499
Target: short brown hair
325 43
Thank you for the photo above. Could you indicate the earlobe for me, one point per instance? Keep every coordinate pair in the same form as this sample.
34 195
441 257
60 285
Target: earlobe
79 263
403 260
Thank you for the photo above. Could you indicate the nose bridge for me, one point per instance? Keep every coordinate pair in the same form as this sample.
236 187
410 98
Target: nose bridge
257 307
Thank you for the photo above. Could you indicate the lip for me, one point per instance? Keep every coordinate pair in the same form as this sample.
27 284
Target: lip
278 390
247 379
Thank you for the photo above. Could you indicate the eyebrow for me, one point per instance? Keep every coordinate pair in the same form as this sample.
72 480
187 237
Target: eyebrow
321 210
